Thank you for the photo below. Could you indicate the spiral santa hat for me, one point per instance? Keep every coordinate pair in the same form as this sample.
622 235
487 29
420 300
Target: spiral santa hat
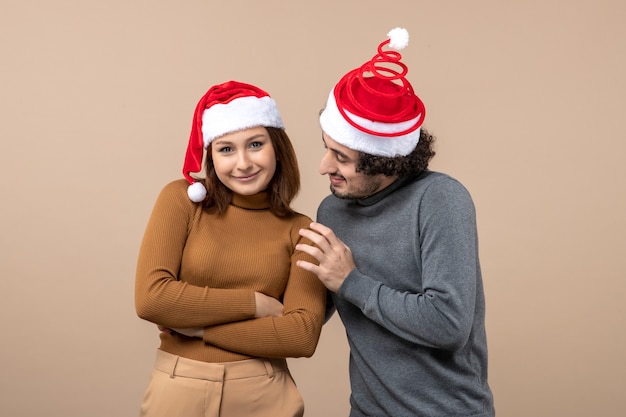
373 108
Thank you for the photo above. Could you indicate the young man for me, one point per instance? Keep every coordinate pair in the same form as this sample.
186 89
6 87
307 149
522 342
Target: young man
397 248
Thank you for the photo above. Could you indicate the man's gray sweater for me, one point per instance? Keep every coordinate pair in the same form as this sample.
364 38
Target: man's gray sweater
414 307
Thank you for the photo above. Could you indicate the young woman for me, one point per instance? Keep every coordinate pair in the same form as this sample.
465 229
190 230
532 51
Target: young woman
217 268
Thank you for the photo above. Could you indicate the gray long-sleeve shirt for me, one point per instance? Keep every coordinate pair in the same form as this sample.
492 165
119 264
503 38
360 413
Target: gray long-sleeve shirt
414 307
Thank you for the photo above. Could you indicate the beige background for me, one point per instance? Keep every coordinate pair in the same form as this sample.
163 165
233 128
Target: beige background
96 99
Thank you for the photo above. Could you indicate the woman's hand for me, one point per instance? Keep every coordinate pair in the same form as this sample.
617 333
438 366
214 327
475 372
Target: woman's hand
195 332
267 306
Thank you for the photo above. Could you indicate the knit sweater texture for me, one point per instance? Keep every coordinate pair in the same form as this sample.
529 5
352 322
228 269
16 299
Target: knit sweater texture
413 308
200 270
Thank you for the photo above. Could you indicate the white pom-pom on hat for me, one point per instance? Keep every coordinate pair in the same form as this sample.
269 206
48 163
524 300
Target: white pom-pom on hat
196 192
398 38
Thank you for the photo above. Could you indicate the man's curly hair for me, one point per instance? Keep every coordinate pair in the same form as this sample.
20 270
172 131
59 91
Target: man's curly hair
402 166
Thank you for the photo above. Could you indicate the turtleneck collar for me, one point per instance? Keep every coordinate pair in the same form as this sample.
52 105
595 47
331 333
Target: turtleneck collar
375 198
259 201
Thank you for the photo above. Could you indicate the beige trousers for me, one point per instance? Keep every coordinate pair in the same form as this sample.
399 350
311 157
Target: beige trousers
181 387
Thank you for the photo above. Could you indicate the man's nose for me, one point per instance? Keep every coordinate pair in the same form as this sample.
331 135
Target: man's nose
326 164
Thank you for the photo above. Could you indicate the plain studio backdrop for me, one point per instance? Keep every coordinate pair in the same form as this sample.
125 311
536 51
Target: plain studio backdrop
526 99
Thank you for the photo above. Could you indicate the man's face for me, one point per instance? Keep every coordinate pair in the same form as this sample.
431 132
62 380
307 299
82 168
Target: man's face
339 163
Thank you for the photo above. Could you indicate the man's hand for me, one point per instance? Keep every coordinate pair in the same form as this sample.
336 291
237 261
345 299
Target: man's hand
267 306
335 258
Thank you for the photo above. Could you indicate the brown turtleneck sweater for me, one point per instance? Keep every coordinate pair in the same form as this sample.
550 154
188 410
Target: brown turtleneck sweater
200 270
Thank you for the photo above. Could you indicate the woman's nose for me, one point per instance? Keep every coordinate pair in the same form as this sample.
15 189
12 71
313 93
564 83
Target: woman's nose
243 161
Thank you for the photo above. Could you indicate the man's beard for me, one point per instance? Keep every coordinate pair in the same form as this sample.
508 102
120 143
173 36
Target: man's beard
365 190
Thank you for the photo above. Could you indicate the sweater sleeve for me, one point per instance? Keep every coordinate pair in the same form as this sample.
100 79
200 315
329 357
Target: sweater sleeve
160 297
440 316
295 334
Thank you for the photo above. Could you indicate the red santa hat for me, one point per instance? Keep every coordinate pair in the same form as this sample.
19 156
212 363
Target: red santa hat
373 108
225 108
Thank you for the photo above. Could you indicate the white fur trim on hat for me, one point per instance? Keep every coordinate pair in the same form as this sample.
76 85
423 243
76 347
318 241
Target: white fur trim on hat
239 114
341 131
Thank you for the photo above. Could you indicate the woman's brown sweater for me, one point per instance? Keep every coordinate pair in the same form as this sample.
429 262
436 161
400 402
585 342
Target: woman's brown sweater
200 270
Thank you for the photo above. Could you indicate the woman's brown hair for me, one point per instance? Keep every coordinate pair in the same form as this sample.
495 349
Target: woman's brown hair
282 188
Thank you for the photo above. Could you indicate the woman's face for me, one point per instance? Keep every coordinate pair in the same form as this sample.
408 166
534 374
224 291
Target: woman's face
244 161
